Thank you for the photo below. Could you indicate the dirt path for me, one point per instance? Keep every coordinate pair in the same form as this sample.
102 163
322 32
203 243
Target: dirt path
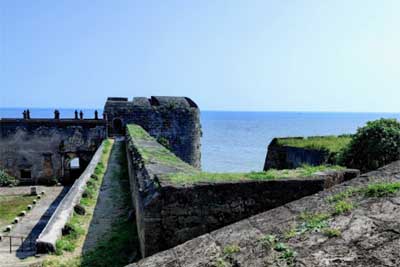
110 204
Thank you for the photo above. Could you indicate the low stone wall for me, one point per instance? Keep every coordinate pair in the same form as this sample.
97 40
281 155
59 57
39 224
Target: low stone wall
47 239
368 235
285 157
169 214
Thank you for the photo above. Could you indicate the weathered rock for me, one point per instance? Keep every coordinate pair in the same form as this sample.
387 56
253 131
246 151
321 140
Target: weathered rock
79 209
369 235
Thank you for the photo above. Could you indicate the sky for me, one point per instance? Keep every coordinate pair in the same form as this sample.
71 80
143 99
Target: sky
255 55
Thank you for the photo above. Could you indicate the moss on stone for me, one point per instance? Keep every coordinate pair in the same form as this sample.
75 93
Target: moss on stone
153 152
304 171
330 143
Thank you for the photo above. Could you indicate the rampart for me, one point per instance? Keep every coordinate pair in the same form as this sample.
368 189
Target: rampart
173 121
46 241
293 152
170 213
41 150
366 235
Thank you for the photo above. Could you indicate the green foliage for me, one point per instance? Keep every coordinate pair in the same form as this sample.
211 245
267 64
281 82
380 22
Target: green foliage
68 242
342 206
382 189
304 171
343 195
289 256
329 143
268 241
313 222
220 262
154 153
373 146
76 223
286 252
137 132
231 249
6 179
332 232
164 141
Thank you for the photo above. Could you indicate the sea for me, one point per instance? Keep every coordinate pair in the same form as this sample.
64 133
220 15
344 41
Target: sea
237 141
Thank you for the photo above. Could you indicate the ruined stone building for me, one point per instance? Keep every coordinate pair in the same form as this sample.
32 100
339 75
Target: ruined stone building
53 149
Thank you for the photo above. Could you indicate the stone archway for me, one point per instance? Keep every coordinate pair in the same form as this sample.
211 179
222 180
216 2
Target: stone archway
118 127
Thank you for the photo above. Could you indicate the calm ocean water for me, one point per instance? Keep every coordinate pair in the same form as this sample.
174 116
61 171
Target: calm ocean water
237 141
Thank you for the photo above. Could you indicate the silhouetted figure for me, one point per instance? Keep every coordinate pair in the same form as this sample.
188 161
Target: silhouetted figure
76 114
96 115
81 115
24 114
56 114
28 114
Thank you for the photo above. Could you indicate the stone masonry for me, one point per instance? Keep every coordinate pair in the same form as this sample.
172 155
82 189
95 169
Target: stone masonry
169 214
369 235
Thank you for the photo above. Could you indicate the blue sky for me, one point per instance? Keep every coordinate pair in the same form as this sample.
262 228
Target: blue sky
308 55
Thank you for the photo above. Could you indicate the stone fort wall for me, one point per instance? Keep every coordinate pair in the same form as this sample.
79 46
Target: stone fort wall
173 121
169 214
39 150
286 157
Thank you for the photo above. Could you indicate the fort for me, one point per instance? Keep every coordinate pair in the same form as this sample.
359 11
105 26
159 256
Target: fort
38 150
182 216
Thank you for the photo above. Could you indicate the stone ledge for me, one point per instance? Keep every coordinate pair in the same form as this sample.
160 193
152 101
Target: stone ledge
47 239
361 244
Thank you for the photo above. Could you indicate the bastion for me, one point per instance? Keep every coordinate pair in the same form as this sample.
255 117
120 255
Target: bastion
175 202
293 152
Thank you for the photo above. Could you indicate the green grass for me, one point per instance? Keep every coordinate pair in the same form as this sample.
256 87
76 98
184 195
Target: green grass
329 143
231 249
332 232
137 132
77 222
11 206
155 153
382 189
343 206
304 171
116 247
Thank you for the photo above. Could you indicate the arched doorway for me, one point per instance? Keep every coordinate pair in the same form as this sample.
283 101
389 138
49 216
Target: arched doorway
74 168
118 128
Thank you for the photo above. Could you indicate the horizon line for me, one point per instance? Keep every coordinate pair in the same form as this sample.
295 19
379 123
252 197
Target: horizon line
220 110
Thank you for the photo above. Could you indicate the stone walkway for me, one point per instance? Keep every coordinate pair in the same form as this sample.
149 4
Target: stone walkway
110 204
30 226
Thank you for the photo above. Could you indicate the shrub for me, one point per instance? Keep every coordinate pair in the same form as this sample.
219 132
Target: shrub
373 146
6 179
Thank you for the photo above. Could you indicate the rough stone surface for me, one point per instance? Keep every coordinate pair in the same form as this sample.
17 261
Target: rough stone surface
169 214
285 157
369 234
44 147
174 121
